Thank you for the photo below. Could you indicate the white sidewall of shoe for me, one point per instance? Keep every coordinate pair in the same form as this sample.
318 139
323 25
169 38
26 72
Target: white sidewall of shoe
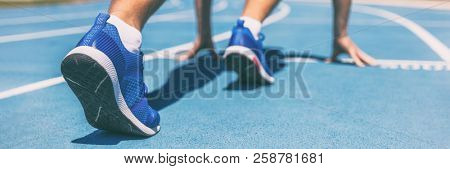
107 64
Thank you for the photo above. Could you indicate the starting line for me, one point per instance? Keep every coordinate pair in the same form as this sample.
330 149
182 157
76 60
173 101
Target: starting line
410 65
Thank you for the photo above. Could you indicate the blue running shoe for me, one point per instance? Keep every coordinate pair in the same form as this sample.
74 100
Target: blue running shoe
245 55
108 81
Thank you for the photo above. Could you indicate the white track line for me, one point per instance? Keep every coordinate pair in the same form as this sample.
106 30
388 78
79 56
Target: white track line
44 34
45 18
31 87
389 64
48 18
437 5
434 43
282 13
222 5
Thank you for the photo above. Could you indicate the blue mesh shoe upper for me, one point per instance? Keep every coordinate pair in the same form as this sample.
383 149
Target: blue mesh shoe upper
129 68
243 37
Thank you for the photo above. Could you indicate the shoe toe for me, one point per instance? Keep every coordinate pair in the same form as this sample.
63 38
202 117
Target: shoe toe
145 114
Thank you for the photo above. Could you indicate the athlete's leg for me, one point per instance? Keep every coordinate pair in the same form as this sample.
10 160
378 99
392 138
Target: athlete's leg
245 53
255 11
258 9
130 17
136 12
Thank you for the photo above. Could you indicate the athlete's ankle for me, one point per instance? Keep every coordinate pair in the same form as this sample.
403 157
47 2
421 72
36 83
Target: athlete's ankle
130 36
253 25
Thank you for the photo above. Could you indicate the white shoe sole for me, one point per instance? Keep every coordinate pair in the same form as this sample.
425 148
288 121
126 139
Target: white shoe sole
93 78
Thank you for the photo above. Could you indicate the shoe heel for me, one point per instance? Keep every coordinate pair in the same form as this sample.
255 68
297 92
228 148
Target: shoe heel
94 89
245 68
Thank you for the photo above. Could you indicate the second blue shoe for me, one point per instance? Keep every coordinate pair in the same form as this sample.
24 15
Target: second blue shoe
245 55
108 81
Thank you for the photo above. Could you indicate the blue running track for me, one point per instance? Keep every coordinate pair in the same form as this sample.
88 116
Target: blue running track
403 103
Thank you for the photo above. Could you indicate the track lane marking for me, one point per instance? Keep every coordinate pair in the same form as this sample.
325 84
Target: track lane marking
434 43
222 5
55 17
31 87
430 40
388 64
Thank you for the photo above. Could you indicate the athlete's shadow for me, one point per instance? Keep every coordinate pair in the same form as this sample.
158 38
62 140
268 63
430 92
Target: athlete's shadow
184 79
100 137
201 71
